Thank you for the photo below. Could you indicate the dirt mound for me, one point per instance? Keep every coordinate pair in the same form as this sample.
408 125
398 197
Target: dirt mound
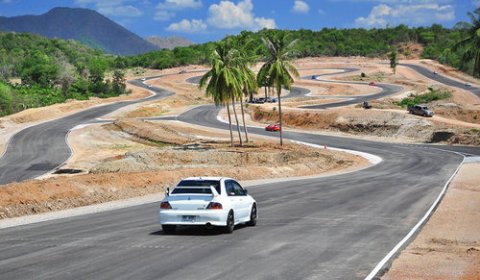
358 122
296 119
409 50
387 124
157 132
271 161
137 174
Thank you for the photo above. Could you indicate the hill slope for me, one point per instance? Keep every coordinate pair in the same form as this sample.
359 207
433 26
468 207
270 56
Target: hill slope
169 42
86 26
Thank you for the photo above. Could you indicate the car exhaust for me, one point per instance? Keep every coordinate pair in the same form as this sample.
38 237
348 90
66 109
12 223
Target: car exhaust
208 226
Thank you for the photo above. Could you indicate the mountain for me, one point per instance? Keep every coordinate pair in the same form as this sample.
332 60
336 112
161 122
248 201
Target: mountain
86 26
169 42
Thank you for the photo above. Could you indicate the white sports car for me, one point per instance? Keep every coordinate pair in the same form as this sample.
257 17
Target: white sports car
207 201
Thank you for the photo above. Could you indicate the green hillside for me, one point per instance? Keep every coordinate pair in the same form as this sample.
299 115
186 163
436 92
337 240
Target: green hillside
51 71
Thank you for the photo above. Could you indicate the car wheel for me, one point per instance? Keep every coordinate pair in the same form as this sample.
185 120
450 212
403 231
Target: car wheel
230 223
253 217
169 228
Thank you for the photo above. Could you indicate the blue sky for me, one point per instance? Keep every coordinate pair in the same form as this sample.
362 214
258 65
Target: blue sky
207 20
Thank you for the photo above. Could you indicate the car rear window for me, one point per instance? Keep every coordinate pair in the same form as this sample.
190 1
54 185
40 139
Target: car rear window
196 187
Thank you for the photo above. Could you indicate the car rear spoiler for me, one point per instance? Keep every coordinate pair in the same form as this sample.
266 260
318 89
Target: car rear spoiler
214 191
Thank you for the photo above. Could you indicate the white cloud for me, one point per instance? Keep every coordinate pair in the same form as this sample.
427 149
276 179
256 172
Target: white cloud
228 15
301 7
420 13
166 10
267 23
162 15
181 4
112 7
188 26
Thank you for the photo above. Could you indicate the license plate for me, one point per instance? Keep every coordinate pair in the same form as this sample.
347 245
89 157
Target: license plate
188 218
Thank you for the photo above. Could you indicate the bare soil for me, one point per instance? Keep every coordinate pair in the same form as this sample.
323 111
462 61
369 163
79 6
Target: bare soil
448 247
389 125
133 158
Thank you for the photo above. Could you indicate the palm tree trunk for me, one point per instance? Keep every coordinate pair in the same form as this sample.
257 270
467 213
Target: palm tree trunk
230 123
265 92
243 117
279 91
236 119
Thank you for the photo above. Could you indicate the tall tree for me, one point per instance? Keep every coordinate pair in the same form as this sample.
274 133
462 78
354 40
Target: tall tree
223 81
393 60
248 78
471 43
279 68
119 83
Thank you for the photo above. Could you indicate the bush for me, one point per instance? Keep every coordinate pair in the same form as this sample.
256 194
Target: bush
5 100
429 96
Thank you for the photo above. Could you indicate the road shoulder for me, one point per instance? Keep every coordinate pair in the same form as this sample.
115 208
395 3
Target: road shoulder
448 247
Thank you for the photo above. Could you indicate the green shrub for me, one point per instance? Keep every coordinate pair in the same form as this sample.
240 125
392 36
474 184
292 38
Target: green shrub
5 100
429 96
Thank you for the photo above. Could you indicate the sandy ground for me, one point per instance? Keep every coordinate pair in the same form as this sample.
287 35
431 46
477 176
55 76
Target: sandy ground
187 95
152 156
448 247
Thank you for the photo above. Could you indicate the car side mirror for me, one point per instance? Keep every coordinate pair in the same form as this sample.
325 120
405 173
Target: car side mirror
246 191
167 192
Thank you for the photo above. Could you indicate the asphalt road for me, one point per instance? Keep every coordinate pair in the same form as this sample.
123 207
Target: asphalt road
442 79
39 149
329 228
385 90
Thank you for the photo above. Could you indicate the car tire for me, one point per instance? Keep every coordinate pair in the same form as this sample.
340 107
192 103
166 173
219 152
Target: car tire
253 216
168 229
230 223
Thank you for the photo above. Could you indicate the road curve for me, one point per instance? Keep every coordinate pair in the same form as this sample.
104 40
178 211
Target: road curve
442 79
39 149
330 228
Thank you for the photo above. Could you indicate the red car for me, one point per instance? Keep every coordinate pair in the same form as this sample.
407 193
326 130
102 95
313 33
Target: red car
273 127
372 84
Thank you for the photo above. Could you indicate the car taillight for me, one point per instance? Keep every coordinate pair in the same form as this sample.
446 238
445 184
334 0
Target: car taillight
165 205
214 206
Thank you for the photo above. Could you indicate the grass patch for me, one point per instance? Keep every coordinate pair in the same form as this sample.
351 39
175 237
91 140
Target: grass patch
120 147
429 96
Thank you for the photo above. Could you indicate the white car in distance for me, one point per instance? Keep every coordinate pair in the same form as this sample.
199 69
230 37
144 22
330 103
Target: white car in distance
207 201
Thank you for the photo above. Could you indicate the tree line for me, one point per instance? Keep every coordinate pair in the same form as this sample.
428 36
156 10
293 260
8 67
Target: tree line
439 43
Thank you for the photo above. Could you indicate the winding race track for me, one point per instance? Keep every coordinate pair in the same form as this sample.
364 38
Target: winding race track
39 149
336 227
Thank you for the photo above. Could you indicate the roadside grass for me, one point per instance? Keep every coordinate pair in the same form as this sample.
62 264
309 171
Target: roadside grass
431 95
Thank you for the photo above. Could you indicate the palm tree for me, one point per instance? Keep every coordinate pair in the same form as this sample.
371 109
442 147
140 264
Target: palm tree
472 43
249 85
249 80
224 80
279 68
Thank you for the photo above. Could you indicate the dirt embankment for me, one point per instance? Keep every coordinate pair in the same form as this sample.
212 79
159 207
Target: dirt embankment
178 152
376 123
448 247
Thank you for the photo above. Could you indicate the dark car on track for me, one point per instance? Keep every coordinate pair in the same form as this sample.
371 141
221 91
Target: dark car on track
421 110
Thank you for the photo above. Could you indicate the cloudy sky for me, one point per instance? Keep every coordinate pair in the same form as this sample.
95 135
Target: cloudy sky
206 20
